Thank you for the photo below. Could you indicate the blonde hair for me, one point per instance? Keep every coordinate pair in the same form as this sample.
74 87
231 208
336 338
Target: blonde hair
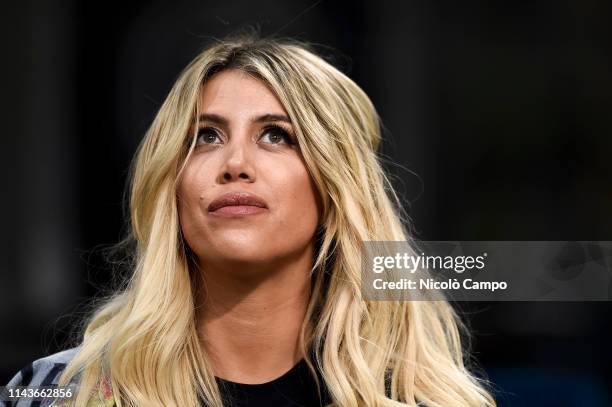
370 353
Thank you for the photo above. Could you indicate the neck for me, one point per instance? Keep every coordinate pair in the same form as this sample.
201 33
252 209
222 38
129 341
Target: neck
250 316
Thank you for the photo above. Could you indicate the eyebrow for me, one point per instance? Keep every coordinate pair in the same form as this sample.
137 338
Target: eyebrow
220 120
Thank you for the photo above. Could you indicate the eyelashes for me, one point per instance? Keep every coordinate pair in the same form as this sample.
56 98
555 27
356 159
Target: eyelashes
203 133
207 135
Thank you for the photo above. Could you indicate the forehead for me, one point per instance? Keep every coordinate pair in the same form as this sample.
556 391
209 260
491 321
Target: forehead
232 91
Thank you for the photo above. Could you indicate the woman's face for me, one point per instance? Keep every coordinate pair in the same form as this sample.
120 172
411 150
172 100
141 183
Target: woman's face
245 146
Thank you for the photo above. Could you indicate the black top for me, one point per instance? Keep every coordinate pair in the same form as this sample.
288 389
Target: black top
297 387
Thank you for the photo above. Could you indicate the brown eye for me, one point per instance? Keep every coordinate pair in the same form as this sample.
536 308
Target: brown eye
277 135
207 135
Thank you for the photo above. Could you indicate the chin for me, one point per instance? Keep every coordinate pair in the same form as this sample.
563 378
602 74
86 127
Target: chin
237 252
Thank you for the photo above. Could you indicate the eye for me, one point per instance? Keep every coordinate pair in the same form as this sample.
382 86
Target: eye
277 134
207 135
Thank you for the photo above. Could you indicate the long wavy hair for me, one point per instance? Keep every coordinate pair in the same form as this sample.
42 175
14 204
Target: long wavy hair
143 340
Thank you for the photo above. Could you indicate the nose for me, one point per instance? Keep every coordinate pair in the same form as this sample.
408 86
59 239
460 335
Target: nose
237 164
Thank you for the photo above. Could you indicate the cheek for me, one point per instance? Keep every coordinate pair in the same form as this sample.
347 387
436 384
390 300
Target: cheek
298 196
188 198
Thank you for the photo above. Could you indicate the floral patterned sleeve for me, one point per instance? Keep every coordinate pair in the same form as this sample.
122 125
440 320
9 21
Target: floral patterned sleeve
46 372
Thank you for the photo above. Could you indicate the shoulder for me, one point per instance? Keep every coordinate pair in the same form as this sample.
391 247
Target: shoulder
44 371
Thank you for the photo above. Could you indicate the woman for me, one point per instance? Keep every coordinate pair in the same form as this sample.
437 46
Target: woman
251 194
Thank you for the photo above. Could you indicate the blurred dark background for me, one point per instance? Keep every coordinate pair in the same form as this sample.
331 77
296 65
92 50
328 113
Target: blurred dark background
497 115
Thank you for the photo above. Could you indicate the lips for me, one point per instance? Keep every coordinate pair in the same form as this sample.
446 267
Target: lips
236 199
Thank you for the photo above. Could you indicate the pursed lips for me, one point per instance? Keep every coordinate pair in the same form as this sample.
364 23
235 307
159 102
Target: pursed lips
237 203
